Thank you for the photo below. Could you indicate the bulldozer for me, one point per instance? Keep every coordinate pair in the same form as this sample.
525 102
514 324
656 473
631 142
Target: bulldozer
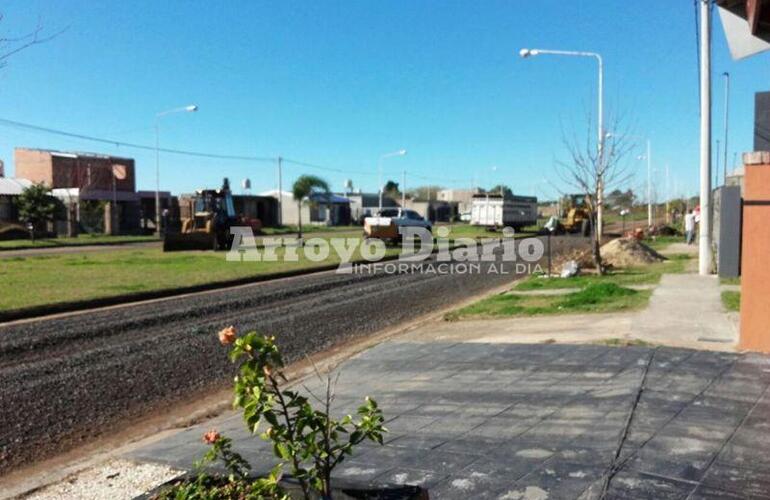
577 215
212 214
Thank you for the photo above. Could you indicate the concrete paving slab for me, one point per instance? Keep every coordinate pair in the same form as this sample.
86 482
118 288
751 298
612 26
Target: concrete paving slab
686 309
483 433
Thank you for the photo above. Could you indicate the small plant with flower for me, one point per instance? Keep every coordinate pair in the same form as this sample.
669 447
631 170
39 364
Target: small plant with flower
307 441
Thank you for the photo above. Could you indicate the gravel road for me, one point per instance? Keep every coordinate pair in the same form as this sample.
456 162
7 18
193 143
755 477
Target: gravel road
65 381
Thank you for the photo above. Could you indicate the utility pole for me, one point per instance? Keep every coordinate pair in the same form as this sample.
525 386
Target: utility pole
280 192
727 116
704 239
716 167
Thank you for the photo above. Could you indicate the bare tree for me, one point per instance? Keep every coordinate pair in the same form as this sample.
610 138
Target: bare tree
10 45
591 171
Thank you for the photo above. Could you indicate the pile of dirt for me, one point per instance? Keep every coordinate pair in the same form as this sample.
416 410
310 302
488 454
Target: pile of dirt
580 255
629 252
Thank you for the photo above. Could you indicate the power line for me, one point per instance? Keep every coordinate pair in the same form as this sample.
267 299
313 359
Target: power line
328 169
199 154
37 128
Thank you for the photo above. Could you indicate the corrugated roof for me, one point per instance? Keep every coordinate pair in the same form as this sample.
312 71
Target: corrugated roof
11 186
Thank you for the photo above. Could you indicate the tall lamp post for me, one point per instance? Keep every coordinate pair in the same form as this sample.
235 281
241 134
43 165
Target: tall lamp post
525 53
704 236
727 116
191 108
400 152
647 156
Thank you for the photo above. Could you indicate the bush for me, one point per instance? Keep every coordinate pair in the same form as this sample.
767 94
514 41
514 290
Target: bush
306 440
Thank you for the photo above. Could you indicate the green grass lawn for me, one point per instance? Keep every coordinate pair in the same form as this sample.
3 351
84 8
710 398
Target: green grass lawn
465 230
83 239
731 300
593 298
661 242
48 279
730 281
40 280
593 293
309 229
632 276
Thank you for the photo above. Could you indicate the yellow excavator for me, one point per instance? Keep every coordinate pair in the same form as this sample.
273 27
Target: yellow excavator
576 215
208 228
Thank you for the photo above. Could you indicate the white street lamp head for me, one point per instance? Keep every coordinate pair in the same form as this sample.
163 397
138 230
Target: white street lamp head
528 52
401 152
191 108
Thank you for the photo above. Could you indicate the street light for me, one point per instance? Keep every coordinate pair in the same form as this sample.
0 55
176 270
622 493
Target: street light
188 109
727 114
648 157
400 152
526 53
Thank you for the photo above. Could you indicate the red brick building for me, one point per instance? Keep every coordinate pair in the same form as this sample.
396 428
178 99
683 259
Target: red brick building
85 171
85 182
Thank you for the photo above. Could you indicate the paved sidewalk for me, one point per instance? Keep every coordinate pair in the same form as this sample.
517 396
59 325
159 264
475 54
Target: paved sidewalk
686 310
477 420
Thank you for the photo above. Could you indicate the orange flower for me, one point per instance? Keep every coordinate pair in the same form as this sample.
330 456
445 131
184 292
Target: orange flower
227 335
211 437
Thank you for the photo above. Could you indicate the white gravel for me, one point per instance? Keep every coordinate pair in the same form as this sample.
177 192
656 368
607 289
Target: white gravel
116 479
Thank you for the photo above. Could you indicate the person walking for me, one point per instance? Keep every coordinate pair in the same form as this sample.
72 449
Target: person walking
689 227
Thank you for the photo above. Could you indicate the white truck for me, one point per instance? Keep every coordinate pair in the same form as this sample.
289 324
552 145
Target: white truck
498 211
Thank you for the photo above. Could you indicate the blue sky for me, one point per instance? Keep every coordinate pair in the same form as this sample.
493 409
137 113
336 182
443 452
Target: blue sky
340 83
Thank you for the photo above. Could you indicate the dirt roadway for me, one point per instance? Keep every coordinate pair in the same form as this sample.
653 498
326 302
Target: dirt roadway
69 379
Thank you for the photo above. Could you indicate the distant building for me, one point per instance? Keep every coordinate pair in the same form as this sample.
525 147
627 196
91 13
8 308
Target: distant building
363 205
10 189
81 181
322 209
435 210
463 198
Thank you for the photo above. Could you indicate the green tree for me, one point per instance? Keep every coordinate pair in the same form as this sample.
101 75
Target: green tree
501 189
36 206
303 187
620 199
391 190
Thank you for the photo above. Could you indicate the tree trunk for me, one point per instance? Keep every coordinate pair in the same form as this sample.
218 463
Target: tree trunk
299 220
596 241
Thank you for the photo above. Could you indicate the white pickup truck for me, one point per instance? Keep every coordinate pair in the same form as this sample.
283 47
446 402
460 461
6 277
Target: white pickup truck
386 223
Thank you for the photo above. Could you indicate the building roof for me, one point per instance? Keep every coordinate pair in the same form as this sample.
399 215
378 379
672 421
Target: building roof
76 154
274 193
329 198
755 12
13 187
373 200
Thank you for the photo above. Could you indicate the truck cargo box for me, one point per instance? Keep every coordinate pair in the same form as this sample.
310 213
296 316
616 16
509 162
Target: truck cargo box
497 211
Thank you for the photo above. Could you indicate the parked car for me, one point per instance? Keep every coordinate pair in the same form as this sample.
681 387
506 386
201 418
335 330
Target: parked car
386 223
